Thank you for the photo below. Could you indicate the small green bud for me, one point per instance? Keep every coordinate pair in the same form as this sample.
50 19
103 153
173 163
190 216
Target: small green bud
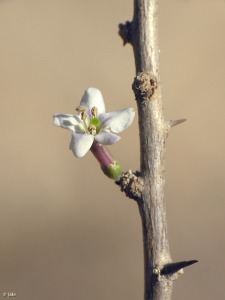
113 171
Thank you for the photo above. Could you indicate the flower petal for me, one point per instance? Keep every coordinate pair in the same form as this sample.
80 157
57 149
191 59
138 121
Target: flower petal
117 121
81 143
71 122
107 138
93 97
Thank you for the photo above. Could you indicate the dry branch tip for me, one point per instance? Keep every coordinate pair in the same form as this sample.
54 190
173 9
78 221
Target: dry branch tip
125 32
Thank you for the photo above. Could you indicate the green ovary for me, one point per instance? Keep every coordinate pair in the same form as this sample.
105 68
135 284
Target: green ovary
95 122
113 171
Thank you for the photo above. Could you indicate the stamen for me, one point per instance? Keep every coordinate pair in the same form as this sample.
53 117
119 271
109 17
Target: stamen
84 116
80 109
92 129
94 111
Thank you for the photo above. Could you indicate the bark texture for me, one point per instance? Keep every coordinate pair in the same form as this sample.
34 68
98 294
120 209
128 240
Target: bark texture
153 132
147 186
141 33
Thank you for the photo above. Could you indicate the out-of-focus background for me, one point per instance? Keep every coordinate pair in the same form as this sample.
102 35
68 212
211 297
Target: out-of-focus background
66 231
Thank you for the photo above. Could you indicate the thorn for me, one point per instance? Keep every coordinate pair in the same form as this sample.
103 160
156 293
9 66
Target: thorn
173 123
177 266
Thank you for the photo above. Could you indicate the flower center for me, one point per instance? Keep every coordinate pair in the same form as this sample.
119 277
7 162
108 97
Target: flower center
94 125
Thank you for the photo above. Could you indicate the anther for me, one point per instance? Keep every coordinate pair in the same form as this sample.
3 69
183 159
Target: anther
92 129
80 109
83 115
94 111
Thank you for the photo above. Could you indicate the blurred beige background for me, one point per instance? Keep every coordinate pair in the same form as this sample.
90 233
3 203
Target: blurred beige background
66 231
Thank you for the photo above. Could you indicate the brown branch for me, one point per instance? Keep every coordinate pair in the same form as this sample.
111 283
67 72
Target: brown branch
142 34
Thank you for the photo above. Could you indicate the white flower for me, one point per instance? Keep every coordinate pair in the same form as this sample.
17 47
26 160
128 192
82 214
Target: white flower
92 123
